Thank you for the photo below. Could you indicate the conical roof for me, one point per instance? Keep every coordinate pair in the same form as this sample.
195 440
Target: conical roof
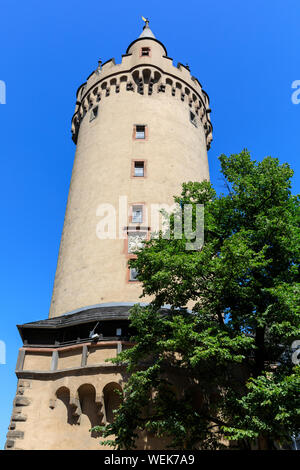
147 33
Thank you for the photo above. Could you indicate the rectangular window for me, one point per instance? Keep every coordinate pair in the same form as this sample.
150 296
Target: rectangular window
94 113
139 169
140 132
145 51
137 214
193 119
133 274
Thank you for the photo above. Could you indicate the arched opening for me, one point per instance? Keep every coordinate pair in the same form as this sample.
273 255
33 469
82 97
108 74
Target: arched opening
157 77
146 75
112 399
89 407
63 398
136 77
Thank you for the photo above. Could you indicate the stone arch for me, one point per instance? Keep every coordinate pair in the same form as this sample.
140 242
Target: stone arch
146 75
123 82
157 76
138 79
180 91
88 405
112 399
169 86
63 397
90 99
148 80
136 76
113 82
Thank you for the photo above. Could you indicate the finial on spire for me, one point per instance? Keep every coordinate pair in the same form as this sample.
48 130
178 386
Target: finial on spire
146 33
98 70
146 22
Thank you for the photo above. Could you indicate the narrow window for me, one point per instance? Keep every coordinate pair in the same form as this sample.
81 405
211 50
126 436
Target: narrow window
139 169
137 214
193 119
140 132
94 113
145 51
133 274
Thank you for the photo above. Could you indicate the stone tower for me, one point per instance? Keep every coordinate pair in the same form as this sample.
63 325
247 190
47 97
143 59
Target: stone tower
141 128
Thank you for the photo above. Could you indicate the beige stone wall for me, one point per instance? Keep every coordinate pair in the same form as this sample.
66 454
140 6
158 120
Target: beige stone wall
92 271
69 357
37 361
97 355
49 423
57 411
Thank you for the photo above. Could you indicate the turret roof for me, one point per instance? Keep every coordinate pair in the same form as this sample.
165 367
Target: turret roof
147 33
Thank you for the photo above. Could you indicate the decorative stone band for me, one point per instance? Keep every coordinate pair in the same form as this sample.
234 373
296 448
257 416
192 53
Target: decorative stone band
55 353
143 79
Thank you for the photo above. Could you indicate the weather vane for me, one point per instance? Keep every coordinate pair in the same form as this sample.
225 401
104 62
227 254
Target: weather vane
146 22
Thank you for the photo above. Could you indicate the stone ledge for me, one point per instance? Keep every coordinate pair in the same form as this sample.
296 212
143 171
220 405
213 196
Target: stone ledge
47 374
21 401
15 435
18 417
9 444
24 383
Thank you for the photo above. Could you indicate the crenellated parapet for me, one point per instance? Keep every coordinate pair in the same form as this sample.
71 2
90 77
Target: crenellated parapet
133 75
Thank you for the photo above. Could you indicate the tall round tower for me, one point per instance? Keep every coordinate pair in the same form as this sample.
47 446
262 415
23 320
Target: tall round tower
142 128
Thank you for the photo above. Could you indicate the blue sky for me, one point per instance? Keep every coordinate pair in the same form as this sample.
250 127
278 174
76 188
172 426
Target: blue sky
245 54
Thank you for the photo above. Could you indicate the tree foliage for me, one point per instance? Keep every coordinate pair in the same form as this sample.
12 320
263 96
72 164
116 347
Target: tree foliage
232 352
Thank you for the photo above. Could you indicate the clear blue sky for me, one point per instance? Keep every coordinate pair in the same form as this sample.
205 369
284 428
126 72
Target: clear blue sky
245 54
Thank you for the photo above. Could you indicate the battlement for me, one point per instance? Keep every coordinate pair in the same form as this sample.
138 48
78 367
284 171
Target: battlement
155 75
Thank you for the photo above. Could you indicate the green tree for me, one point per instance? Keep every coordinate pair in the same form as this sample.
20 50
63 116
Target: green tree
232 352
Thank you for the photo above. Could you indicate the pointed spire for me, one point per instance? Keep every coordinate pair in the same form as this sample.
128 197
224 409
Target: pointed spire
146 33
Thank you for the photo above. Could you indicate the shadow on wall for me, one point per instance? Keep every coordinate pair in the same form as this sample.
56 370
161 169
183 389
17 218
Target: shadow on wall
89 408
